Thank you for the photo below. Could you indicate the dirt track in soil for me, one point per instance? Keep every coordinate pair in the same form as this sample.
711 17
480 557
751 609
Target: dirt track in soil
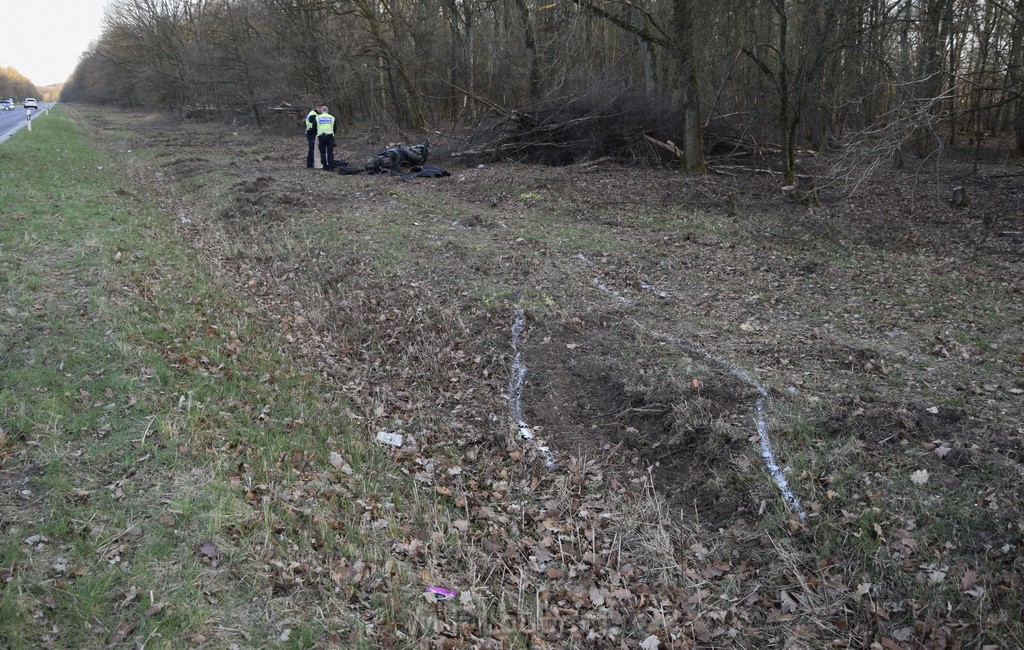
889 318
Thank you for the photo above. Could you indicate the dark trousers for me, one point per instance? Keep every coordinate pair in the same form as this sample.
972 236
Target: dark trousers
326 151
311 139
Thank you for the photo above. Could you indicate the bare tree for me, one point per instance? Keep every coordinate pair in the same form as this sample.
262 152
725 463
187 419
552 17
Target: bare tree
679 42
405 100
785 73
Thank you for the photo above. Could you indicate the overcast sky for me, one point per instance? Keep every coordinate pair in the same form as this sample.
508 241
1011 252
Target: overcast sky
43 39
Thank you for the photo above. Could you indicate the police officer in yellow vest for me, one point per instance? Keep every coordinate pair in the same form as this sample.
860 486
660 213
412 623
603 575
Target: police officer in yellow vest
326 127
310 135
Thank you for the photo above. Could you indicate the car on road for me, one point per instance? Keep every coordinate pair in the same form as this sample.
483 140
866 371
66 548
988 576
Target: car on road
30 102
6 104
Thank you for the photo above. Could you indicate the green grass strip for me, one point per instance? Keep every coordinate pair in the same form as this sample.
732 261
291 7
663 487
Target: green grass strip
146 419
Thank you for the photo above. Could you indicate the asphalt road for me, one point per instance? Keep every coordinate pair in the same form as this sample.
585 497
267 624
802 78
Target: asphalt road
11 121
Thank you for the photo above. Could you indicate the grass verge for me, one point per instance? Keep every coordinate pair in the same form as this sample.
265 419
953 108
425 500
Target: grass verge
164 467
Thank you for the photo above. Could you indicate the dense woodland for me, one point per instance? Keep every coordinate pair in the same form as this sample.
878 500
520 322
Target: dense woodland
874 80
14 85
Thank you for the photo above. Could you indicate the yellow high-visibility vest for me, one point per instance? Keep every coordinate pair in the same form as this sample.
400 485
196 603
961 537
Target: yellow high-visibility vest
325 124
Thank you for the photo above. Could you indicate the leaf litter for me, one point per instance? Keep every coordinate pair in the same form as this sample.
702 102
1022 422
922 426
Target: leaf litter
647 535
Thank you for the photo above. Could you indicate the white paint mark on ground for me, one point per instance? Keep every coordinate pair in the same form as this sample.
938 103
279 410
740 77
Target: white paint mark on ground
766 447
759 404
601 285
515 394
653 289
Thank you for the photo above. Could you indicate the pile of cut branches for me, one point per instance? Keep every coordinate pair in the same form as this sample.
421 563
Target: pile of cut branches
565 131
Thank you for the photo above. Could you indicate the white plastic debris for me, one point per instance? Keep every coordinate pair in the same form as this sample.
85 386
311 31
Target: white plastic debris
392 439
525 432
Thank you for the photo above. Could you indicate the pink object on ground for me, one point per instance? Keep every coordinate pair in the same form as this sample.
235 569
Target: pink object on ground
442 593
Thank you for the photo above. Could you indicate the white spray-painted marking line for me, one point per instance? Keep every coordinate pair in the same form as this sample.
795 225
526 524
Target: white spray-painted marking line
601 285
653 289
615 294
759 404
762 426
515 393
611 292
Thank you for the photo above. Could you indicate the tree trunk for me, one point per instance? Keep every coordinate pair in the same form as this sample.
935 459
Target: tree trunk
693 135
1015 73
408 107
1020 126
681 47
530 45
934 23
645 51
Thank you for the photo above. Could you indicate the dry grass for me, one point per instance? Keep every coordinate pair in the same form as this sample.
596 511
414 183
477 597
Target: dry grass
390 305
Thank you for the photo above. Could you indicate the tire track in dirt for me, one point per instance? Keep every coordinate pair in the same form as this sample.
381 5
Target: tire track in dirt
691 348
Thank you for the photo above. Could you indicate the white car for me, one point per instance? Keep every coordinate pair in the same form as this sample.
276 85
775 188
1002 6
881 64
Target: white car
30 102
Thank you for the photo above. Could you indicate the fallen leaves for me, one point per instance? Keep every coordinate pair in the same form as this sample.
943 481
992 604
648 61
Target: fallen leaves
36 541
123 631
412 356
940 449
933 574
970 583
208 553
787 602
650 643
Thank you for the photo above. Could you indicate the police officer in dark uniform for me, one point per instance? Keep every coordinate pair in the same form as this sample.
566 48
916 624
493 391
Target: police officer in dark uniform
310 135
326 127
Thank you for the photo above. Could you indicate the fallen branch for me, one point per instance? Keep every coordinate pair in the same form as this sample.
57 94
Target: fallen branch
765 148
668 146
591 165
532 127
759 170
285 108
478 98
